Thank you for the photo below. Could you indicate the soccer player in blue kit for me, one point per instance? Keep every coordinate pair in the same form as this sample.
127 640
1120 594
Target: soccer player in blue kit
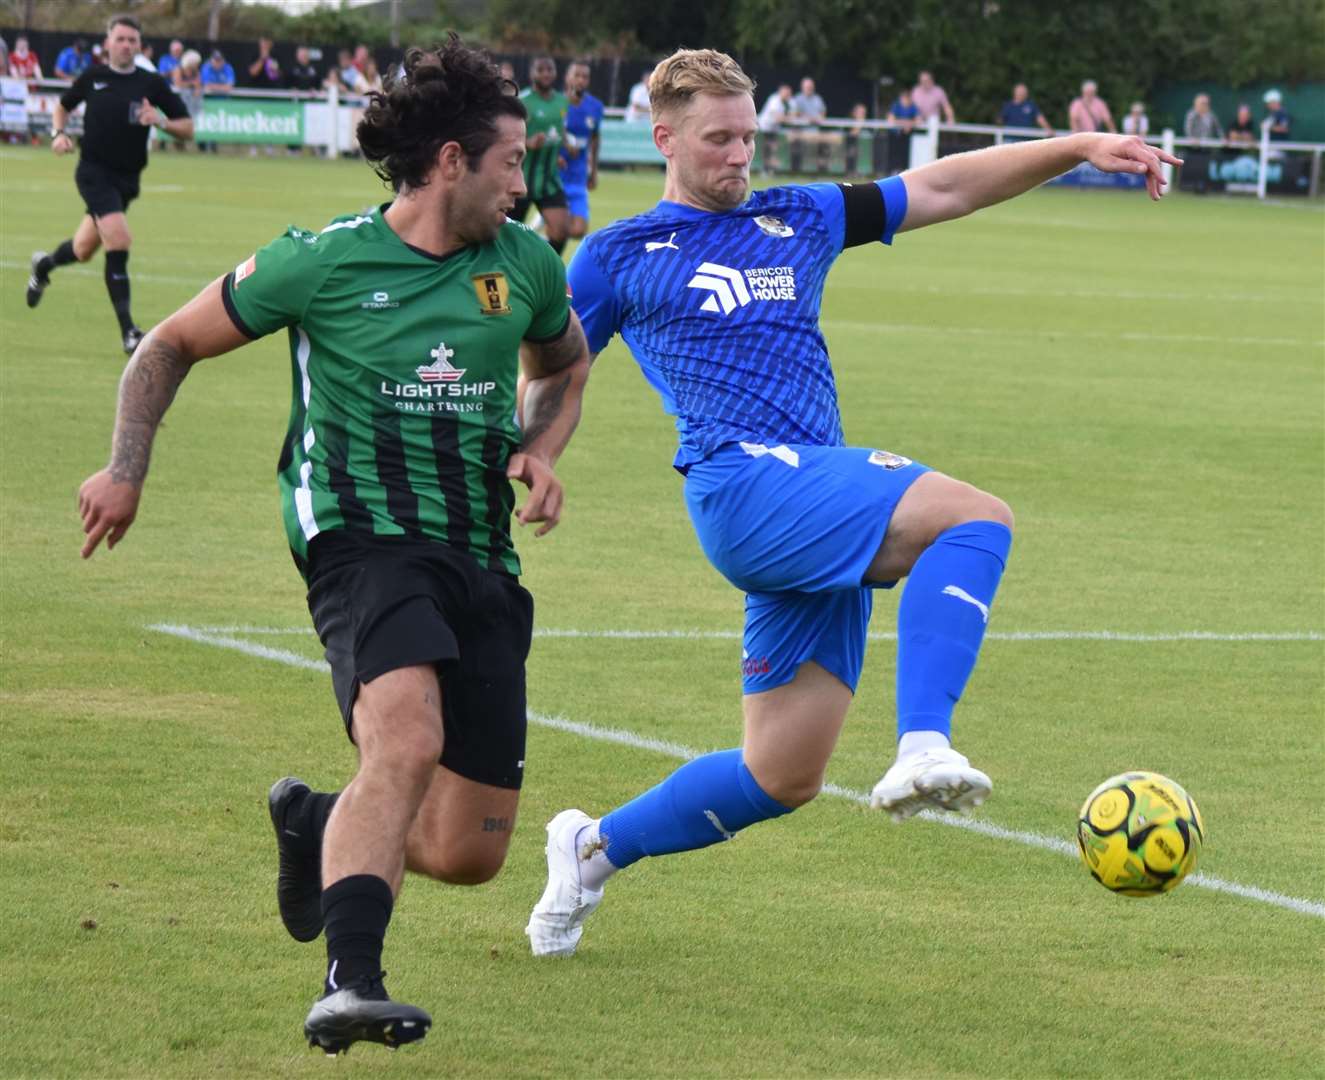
579 161
716 291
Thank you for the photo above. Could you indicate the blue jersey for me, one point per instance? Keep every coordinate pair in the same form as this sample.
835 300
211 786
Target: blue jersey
721 310
584 121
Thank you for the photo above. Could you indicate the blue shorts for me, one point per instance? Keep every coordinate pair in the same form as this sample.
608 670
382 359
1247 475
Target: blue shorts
795 528
577 201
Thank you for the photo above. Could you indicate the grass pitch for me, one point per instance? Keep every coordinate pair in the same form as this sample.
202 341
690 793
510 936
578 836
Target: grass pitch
1143 384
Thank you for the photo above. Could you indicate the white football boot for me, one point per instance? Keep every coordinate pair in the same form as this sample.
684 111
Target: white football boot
934 779
558 918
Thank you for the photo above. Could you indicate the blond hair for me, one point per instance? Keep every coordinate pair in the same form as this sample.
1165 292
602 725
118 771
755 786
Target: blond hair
687 72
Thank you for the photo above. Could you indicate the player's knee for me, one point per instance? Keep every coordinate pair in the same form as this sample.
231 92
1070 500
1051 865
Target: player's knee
992 508
410 745
794 788
471 866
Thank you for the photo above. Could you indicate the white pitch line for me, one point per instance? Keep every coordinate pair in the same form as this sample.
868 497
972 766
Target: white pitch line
685 753
734 635
1055 334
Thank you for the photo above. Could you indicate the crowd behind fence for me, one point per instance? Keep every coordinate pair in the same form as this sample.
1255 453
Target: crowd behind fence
297 104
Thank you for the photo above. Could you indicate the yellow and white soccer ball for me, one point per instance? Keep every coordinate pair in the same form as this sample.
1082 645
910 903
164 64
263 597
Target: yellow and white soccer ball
1140 834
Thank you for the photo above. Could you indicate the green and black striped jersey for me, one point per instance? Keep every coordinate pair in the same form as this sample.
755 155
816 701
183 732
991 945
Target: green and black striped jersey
547 116
404 367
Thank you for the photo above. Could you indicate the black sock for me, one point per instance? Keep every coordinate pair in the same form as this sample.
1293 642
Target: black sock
558 245
61 256
356 911
117 284
308 817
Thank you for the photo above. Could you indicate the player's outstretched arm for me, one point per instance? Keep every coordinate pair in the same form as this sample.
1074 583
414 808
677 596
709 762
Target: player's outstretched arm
958 185
554 375
108 500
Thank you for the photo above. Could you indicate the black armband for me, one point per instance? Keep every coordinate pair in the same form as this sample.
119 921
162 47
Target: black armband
866 216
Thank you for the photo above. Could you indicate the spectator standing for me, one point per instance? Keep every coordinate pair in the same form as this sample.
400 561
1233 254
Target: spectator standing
1277 118
930 98
144 62
771 118
807 113
218 79
905 114
361 58
265 72
170 61
507 71
1136 122
345 74
1242 131
370 81
186 78
4 55
73 60
1022 112
303 75
1090 112
638 110
855 134
1200 123
23 62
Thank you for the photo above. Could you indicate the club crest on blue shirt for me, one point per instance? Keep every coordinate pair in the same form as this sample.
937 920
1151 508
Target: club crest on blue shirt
774 226
887 460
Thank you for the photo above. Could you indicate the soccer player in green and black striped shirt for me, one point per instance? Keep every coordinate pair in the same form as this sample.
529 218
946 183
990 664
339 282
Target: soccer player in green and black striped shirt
547 107
407 326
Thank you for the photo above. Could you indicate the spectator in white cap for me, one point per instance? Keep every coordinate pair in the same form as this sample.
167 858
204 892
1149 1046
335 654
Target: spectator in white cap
1277 118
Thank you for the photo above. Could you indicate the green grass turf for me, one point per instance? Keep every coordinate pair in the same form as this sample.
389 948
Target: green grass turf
1143 384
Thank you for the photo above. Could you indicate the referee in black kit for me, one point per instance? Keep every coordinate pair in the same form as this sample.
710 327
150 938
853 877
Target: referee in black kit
123 102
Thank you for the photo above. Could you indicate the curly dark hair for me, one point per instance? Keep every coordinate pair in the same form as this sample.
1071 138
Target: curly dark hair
449 93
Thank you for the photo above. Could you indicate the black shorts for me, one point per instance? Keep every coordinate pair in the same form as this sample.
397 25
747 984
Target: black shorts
104 190
380 603
555 201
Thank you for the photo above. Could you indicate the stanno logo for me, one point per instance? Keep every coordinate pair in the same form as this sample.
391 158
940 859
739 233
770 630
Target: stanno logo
380 301
440 370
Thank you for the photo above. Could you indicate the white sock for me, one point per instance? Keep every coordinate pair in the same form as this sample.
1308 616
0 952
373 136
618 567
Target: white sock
917 742
596 869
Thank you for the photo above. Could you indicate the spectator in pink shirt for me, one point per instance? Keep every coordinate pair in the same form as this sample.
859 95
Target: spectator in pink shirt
929 98
1089 112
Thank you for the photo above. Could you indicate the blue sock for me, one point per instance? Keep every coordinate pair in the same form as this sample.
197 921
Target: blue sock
704 801
941 621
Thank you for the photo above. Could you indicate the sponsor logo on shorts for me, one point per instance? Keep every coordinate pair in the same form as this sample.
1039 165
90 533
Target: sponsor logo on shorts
755 665
888 461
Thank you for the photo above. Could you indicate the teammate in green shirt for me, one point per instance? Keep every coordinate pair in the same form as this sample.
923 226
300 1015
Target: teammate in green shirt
407 325
547 108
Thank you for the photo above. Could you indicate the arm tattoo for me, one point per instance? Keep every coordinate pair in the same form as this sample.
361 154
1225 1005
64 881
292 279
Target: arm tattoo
146 391
544 409
554 356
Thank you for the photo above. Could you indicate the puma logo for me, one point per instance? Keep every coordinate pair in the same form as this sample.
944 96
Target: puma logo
962 594
658 245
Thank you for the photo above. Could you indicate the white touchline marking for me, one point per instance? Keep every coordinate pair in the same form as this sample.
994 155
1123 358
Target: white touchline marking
1094 335
735 635
685 753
